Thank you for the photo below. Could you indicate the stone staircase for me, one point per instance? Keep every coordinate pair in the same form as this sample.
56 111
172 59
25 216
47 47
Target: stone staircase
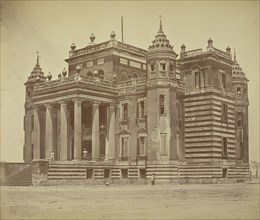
58 171
163 171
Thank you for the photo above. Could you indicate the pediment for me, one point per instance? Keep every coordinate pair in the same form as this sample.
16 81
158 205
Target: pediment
124 132
142 130
87 132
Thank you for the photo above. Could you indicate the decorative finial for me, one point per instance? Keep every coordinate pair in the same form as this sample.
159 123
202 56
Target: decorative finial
92 38
38 63
78 68
235 57
73 46
64 72
160 22
49 76
113 35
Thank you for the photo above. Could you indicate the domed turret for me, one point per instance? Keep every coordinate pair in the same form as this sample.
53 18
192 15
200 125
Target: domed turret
161 43
237 71
239 79
37 74
161 58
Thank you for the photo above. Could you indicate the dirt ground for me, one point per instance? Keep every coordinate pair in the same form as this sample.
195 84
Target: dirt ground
229 201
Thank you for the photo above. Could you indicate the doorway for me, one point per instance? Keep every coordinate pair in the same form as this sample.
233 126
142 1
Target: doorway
102 145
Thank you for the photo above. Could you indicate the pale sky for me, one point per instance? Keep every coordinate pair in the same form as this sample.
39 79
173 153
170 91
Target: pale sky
51 27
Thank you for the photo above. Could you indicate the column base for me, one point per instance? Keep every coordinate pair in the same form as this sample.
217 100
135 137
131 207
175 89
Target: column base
63 159
77 159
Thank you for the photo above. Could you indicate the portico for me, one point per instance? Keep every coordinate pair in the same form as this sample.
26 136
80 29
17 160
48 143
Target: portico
77 123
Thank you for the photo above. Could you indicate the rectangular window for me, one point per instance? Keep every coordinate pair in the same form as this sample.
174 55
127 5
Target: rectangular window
224 173
124 173
152 68
89 63
125 111
197 80
124 147
123 61
224 147
162 105
178 107
141 109
239 119
163 138
32 122
224 112
203 80
135 64
171 67
224 80
144 66
100 61
162 66
239 90
141 146
241 150
32 150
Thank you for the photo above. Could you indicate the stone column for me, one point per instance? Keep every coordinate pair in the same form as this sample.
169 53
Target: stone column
111 133
77 130
49 132
36 134
120 147
95 131
63 131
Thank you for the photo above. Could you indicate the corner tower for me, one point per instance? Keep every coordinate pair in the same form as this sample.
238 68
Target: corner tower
164 101
37 76
239 83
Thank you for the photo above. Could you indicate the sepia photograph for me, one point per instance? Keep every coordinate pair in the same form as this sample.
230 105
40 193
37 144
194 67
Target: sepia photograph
129 109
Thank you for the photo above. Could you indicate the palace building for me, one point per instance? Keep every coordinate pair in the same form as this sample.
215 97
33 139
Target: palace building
121 112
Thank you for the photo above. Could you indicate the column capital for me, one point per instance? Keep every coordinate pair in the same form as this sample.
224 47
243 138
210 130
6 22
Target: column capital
96 103
36 107
77 100
48 105
112 105
63 102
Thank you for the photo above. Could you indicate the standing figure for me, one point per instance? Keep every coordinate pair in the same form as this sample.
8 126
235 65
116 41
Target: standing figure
153 179
52 155
85 153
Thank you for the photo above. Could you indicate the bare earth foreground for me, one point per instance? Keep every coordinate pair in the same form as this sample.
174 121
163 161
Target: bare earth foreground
229 201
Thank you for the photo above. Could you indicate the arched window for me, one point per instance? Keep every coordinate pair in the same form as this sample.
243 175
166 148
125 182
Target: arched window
89 73
123 76
101 74
152 67
171 66
239 90
245 89
134 75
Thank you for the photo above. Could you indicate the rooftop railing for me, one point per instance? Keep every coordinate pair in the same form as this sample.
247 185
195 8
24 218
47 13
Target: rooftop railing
74 79
107 44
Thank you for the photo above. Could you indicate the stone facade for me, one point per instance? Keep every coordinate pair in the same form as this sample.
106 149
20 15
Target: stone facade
124 112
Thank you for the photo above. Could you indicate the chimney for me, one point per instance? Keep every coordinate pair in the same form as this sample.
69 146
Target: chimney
183 48
210 42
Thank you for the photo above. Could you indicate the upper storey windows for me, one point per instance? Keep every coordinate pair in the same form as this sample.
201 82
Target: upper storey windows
200 79
152 67
162 65
224 81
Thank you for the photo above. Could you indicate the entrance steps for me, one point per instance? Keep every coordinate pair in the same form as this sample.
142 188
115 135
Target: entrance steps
66 171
